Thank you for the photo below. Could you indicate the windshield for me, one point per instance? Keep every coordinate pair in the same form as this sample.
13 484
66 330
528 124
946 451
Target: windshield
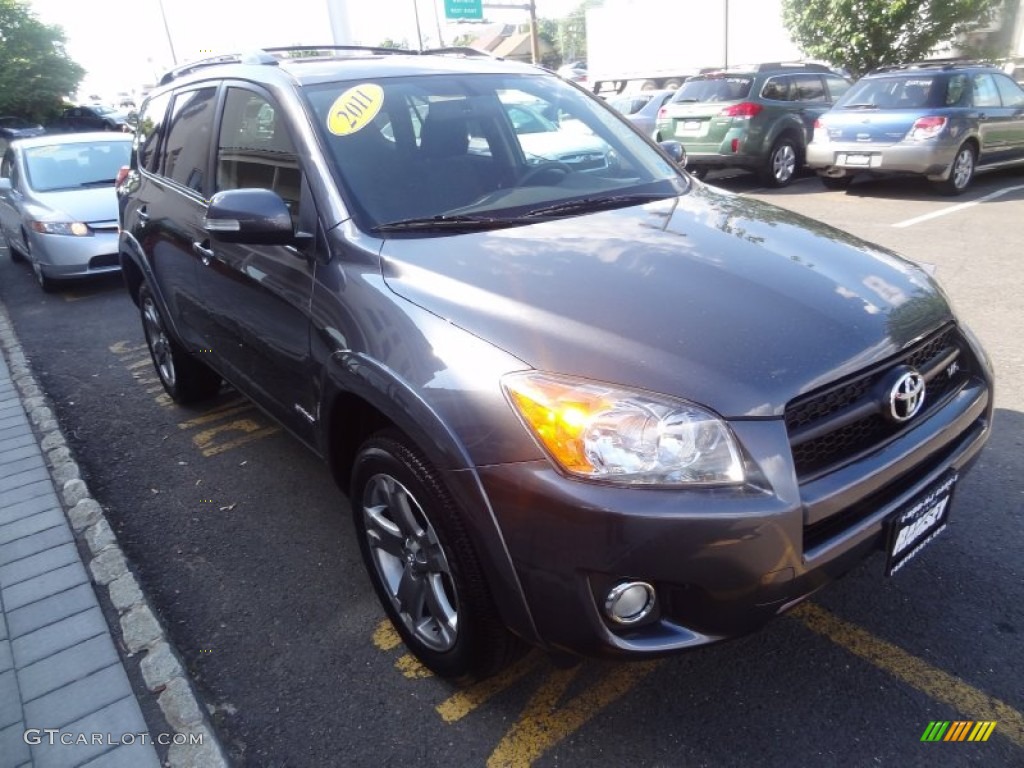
714 88
72 166
914 91
490 147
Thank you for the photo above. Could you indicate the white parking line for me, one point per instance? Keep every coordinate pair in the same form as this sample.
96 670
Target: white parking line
957 208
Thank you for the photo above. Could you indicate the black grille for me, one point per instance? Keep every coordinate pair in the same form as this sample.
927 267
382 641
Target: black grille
833 426
106 260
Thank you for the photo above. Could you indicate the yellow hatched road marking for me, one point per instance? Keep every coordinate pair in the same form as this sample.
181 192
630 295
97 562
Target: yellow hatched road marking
222 412
139 364
544 723
252 430
460 704
127 348
913 671
385 637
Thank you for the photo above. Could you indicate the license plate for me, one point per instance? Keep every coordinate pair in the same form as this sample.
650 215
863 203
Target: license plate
688 127
856 160
913 528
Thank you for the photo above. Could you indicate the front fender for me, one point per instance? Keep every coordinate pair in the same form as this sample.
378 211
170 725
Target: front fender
351 374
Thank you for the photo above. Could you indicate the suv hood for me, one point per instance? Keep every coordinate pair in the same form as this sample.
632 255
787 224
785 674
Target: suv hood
725 301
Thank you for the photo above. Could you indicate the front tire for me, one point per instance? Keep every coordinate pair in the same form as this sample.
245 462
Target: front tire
184 378
422 564
47 284
961 174
782 164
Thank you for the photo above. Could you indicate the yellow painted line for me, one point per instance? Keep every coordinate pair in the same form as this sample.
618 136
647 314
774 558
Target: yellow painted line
460 704
254 433
913 671
229 409
411 668
139 363
154 390
163 400
127 348
546 720
385 637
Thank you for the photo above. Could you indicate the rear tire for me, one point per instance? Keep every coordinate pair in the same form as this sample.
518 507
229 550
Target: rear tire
782 163
184 378
961 174
423 565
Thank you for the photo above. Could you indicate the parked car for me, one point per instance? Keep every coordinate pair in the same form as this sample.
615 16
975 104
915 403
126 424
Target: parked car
544 141
759 118
92 117
613 412
576 71
642 108
944 121
12 128
58 209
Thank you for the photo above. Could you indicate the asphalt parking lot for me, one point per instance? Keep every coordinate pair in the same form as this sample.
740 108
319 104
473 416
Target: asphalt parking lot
245 550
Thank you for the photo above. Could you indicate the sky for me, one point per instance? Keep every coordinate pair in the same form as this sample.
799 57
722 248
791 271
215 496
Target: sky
123 43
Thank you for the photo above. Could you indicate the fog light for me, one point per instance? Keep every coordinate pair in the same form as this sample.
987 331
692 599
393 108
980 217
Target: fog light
629 602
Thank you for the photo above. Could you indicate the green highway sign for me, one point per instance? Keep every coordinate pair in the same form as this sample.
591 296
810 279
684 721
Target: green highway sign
463 9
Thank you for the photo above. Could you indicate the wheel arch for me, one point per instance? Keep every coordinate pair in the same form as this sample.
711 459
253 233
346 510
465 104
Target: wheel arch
362 397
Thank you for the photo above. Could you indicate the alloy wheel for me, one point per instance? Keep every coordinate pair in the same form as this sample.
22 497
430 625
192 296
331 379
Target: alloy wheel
784 163
410 563
159 343
963 168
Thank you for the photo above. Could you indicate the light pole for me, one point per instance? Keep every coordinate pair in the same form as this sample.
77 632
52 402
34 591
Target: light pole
167 31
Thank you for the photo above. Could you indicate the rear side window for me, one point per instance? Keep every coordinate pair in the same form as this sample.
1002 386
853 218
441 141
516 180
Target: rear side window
255 150
807 88
187 149
152 123
776 89
1009 91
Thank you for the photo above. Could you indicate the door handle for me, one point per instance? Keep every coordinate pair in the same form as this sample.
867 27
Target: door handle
143 214
205 254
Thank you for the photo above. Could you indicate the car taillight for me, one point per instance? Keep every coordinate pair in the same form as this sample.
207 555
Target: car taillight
818 124
927 127
122 174
662 113
743 109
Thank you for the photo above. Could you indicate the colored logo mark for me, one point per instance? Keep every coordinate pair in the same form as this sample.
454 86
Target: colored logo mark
958 730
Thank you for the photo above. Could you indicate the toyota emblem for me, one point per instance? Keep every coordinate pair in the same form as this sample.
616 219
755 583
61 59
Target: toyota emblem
906 396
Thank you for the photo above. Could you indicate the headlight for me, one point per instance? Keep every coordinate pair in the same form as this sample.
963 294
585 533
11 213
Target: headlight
76 228
603 432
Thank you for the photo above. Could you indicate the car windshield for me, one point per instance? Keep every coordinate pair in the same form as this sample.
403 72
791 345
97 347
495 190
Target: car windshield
912 91
73 166
720 87
480 148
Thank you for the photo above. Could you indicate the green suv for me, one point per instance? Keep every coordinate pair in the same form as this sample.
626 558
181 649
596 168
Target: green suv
759 118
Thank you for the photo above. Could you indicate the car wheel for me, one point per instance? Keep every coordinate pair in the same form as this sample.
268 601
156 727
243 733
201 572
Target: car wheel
837 183
48 284
961 174
184 378
423 565
13 252
782 162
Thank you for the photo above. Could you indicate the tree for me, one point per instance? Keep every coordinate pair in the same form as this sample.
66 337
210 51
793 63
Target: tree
36 74
863 34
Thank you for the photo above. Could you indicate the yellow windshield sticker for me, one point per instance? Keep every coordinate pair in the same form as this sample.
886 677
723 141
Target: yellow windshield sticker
354 109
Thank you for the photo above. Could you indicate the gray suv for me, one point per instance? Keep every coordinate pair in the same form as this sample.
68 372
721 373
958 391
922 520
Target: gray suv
596 407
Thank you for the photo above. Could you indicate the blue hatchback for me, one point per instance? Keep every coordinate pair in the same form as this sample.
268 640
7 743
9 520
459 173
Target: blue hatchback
941 120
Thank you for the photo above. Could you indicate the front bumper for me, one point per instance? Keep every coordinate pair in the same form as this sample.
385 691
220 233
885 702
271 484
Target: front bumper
65 256
723 562
922 158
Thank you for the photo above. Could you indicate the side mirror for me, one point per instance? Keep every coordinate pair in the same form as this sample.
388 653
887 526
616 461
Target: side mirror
255 216
674 150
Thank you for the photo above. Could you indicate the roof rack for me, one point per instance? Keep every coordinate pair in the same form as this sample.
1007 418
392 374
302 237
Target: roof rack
253 57
805 65
943 64
274 55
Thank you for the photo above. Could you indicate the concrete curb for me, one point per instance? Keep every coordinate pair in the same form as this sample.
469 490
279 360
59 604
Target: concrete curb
139 629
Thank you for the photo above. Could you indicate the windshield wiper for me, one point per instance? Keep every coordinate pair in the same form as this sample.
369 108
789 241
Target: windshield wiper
589 204
442 221
860 106
98 183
